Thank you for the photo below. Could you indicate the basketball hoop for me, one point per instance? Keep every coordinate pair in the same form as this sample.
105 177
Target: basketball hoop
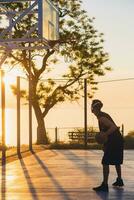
45 27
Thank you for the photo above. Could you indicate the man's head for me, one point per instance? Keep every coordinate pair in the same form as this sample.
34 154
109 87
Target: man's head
96 106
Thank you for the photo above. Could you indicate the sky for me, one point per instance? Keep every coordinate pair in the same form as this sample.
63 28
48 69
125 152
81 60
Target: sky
115 19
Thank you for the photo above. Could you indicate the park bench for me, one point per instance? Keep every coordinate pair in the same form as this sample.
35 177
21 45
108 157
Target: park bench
80 136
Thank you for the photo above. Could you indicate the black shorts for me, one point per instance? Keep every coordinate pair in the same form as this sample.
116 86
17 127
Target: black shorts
113 150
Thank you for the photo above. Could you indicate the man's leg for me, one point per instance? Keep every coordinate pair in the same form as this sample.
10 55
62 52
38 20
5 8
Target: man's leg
104 184
118 171
119 180
105 174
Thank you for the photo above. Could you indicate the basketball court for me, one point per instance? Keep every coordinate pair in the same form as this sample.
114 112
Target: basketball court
63 175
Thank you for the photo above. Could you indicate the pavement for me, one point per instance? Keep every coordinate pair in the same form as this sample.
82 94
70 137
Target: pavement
63 175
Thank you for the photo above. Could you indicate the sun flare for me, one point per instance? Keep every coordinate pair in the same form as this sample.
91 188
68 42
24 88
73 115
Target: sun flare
9 80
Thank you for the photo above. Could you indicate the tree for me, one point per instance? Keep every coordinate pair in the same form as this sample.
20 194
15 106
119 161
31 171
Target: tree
80 42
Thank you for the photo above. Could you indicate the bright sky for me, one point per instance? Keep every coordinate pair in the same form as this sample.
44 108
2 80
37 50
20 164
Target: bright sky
115 19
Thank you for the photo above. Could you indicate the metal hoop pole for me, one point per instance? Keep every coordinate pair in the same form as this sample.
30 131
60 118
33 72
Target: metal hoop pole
30 103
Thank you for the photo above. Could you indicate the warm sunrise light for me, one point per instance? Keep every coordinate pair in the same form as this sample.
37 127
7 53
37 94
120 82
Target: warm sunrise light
66 99
9 80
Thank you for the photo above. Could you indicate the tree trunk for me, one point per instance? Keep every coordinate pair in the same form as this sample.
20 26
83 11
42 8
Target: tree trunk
41 130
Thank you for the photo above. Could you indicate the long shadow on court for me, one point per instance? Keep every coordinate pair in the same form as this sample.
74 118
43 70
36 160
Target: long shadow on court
83 163
29 181
56 183
3 182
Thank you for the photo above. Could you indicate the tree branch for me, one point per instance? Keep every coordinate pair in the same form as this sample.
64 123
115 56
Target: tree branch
40 71
68 84
51 101
16 58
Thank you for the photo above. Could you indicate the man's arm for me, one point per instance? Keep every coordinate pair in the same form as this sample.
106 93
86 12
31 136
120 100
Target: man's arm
109 124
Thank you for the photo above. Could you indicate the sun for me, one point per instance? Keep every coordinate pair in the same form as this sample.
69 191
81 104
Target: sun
9 80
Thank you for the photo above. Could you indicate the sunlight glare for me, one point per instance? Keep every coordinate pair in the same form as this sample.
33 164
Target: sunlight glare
9 80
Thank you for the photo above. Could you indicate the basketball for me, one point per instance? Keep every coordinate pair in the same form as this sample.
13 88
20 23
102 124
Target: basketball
100 139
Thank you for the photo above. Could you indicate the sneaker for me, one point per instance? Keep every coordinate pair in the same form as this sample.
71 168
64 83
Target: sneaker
103 187
118 183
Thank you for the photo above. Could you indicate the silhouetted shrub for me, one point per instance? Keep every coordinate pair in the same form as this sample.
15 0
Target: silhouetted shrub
129 142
